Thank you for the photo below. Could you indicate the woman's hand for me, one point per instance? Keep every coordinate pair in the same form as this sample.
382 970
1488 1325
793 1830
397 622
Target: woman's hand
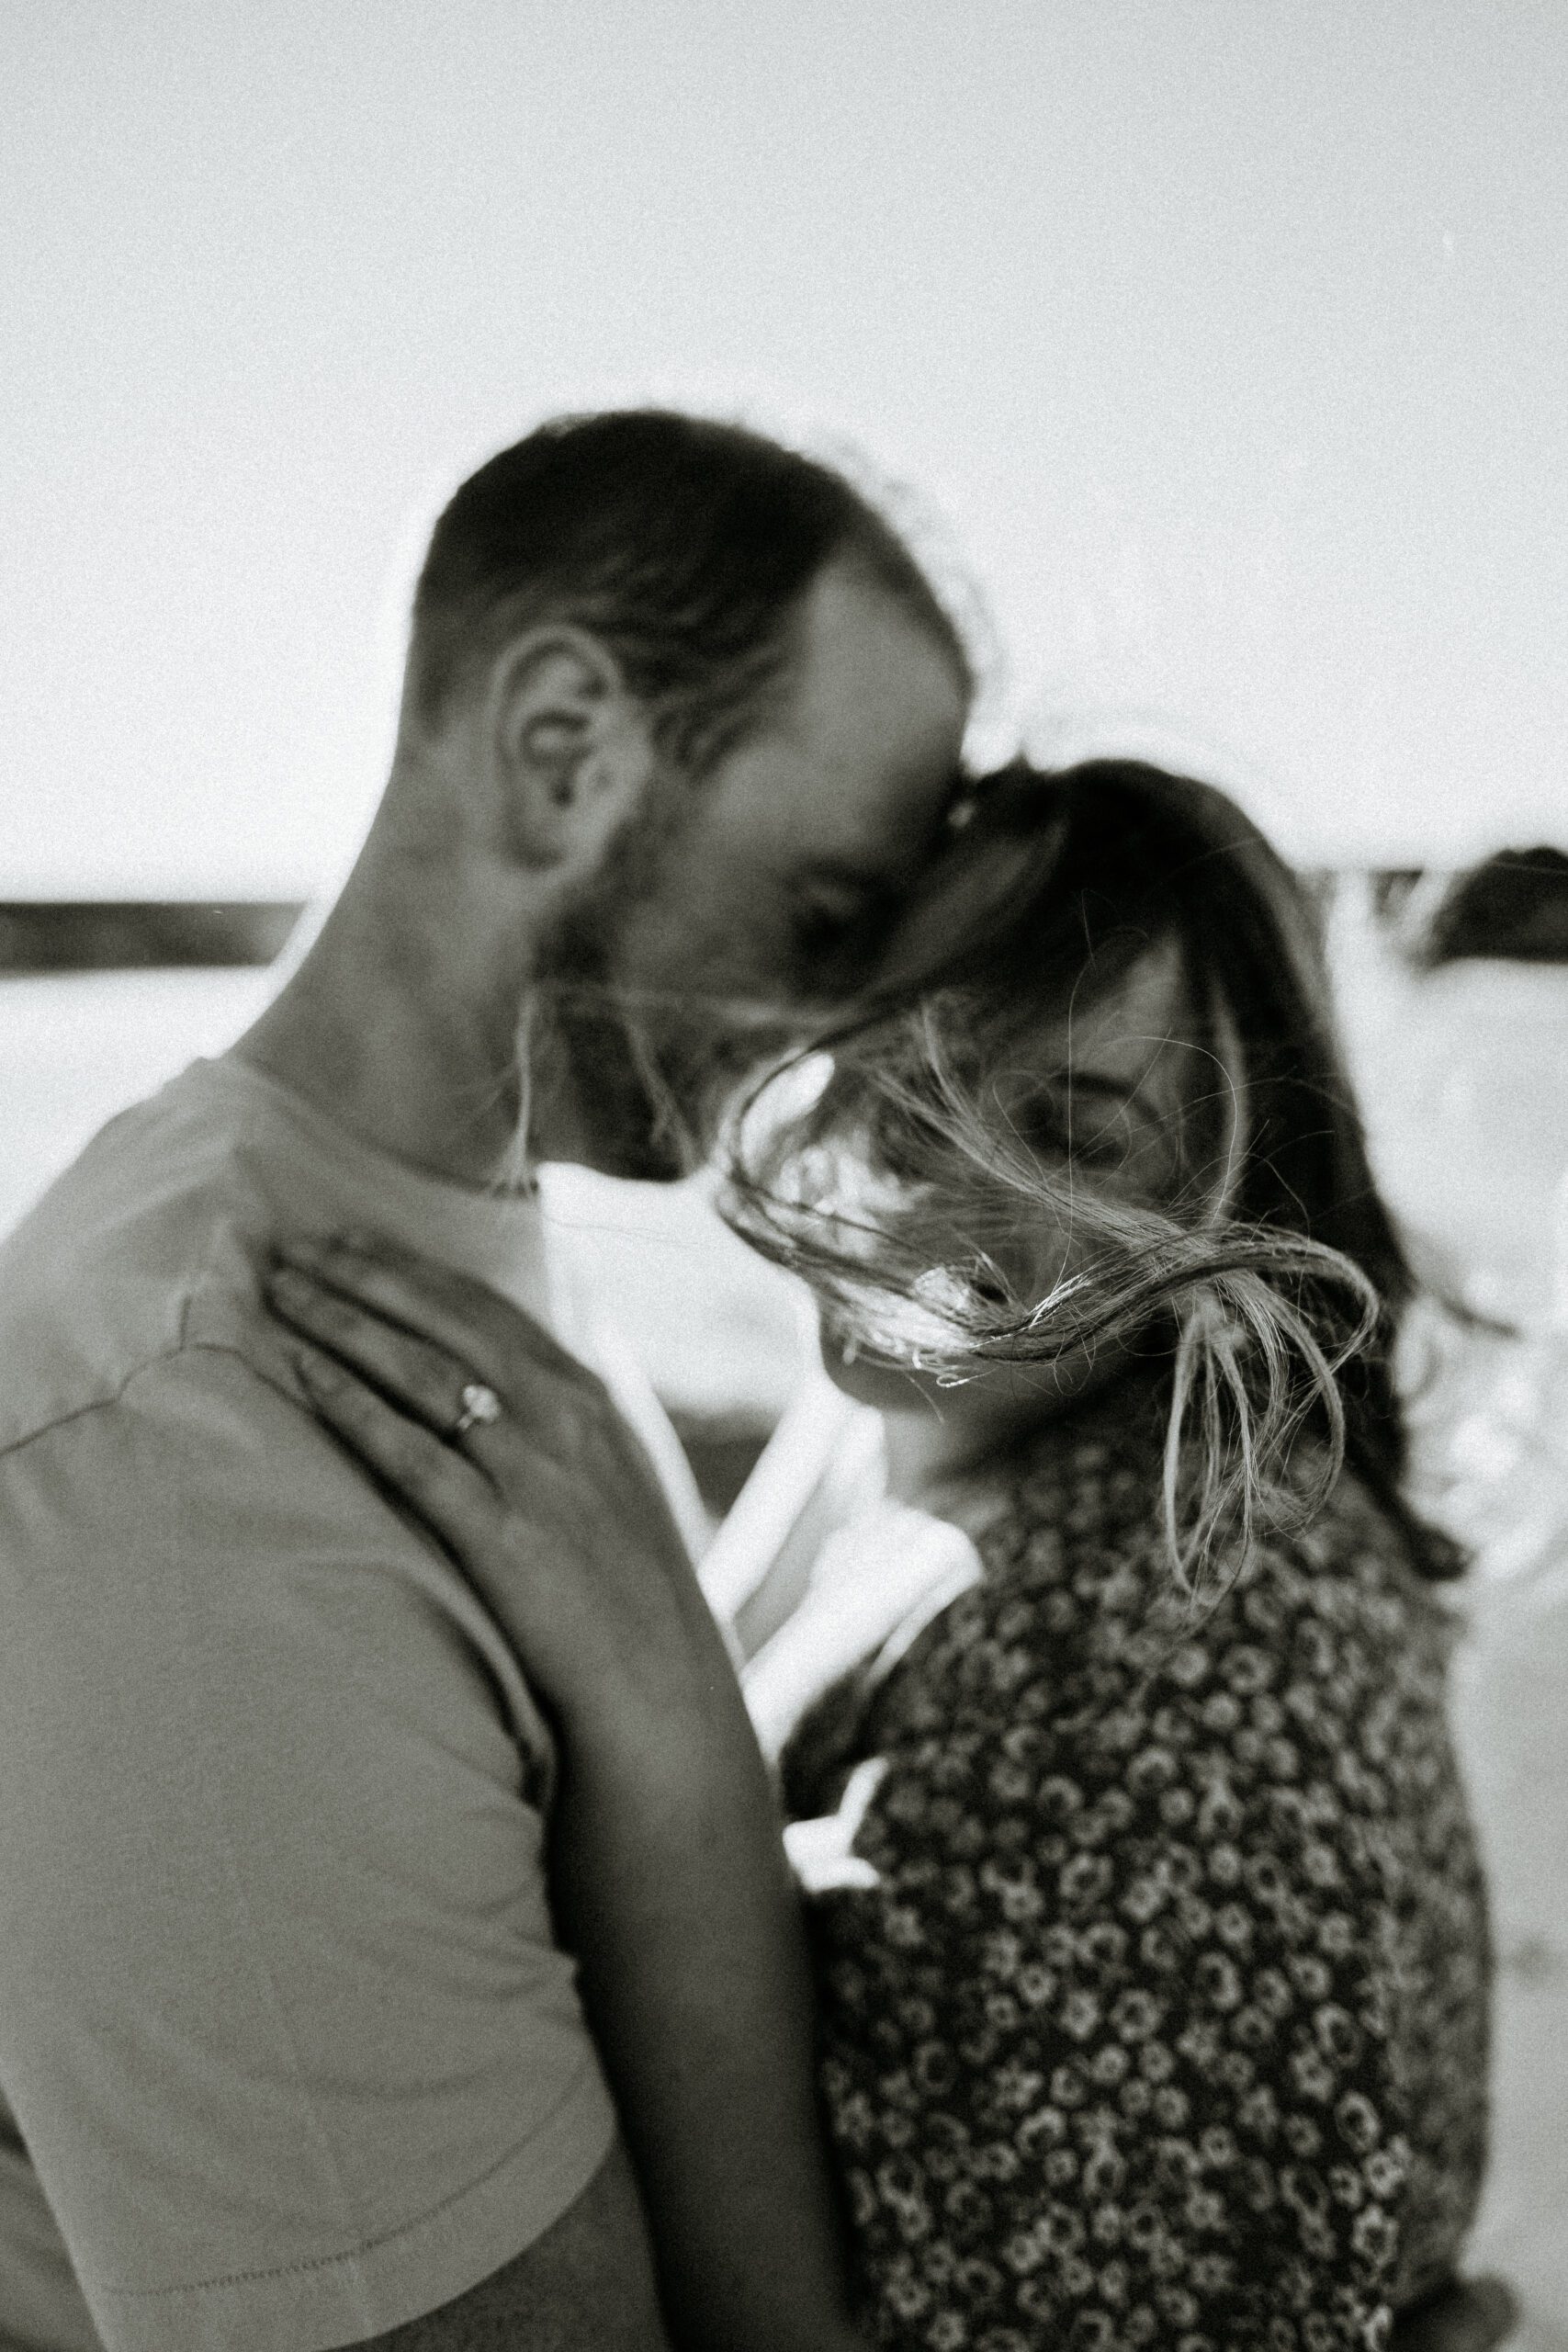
666 1865
543 1497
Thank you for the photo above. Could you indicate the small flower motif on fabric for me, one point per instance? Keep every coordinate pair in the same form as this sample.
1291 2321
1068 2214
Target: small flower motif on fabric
1153 1972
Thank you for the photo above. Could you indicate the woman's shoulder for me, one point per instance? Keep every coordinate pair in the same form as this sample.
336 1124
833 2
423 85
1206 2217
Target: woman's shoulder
1063 1703
1316 1642
1080 1616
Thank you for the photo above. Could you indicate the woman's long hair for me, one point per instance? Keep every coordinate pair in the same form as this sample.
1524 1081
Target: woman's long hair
1270 1272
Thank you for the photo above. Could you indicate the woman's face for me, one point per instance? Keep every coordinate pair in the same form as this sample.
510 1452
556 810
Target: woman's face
954 1214
1098 1095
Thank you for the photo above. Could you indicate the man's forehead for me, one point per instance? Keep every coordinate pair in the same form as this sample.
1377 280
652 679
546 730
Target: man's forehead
854 773
867 666
873 821
882 848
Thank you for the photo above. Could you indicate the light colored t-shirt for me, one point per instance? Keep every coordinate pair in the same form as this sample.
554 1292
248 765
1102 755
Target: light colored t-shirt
288 2052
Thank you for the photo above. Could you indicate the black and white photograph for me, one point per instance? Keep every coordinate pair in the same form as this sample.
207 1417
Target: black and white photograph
783 1176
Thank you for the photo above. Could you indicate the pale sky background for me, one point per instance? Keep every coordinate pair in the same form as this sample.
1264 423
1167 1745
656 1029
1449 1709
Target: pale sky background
1228 339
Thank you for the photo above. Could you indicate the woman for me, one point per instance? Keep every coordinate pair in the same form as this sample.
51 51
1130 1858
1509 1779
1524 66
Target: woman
1151 2005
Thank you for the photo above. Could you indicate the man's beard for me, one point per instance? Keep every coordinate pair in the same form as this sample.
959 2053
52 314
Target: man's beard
649 1076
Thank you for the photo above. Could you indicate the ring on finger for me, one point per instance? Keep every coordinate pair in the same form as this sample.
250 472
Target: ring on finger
478 1406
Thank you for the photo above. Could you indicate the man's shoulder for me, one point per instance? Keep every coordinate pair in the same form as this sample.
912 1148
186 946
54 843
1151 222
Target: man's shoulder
166 1484
147 1244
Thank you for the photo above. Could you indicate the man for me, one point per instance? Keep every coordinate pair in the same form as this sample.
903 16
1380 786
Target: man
289 2054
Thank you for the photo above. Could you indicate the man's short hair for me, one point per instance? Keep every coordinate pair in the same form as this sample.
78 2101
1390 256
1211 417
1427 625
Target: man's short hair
685 546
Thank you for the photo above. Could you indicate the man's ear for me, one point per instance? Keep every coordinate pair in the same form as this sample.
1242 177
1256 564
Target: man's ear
570 745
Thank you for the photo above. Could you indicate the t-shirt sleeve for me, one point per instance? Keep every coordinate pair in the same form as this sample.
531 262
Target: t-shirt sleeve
1106 2020
282 2019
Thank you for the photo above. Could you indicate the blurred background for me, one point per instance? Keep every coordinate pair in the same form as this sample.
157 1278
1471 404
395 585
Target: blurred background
1218 350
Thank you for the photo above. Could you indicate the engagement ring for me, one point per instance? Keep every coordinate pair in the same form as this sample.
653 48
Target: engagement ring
478 1403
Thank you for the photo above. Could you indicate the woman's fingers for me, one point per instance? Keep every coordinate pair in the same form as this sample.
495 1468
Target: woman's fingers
576 1579
557 1445
453 1498
426 1334
425 1378
477 1327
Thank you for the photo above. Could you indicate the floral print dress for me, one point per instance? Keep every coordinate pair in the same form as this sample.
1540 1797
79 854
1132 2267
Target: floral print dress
1154 2010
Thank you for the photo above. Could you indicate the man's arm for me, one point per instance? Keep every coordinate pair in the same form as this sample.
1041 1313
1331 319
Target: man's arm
283 2018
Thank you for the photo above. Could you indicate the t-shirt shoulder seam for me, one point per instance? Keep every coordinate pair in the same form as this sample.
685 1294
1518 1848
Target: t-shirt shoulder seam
196 1284
11 1447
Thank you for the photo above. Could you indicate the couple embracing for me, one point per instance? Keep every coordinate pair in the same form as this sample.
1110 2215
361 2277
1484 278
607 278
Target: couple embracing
399 1944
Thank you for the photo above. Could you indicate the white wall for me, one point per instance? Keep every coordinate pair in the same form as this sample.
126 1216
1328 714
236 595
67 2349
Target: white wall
1229 334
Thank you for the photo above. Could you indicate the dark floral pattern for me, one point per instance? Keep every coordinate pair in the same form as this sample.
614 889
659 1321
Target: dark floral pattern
1165 2022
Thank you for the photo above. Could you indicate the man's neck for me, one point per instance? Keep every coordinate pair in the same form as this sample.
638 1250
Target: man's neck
403 1022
